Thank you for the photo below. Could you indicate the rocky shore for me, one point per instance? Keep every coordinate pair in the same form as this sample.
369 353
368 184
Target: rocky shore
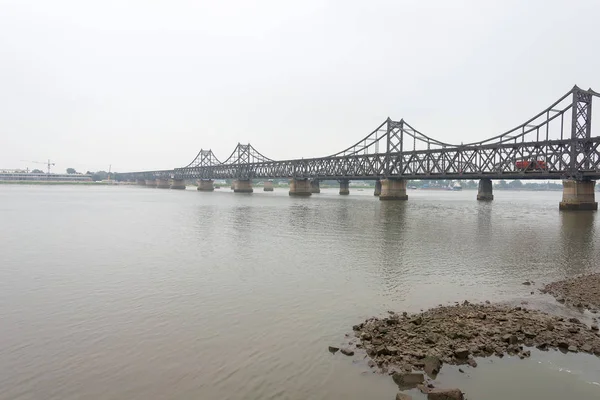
402 344
582 291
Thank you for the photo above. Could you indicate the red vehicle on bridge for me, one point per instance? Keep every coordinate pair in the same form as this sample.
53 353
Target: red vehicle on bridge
531 165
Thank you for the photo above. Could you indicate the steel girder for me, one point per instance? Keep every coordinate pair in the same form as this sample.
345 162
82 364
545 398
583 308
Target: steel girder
467 162
560 140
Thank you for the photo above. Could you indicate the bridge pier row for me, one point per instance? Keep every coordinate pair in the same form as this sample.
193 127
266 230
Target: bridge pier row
162 183
377 191
344 187
178 184
300 187
315 187
393 189
242 186
151 182
140 182
205 185
268 186
578 195
485 190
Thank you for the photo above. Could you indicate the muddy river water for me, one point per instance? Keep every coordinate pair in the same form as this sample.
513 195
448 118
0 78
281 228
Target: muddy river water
138 293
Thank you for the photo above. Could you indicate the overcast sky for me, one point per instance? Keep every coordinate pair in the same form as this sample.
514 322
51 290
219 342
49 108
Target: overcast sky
145 84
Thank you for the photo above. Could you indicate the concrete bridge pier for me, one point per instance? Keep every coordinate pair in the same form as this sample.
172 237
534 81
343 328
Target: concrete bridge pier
242 186
140 182
151 182
300 187
377 191
268 187
344 187
178 184
205 185
485 190
393 189
315 187
578 195
162 183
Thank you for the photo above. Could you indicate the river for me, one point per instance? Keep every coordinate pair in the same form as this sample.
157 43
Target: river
137 293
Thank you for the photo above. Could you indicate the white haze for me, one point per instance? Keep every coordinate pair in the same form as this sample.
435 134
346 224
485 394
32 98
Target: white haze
146 84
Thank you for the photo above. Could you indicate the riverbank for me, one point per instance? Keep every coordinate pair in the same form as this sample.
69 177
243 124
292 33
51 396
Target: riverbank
80 183
582 291
412 348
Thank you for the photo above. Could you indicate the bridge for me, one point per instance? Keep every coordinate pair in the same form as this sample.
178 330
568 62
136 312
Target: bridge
556 143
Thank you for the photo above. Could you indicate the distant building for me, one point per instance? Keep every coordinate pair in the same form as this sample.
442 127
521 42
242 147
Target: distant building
37 177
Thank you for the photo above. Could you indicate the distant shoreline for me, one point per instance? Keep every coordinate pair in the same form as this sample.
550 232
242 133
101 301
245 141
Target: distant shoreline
54 183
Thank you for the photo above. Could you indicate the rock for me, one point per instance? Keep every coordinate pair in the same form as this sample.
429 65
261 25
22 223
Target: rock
461 353
333 349
594 327
549 326
529 335
472 362
586 348
357 327
574 321
346 351
423 389
526 353
430 339
527 283
510 339
461 371
403 396
432 366
365 336
445 394
563 345
408 379
572 349
573 329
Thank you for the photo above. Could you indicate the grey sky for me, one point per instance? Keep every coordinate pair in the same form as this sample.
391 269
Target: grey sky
145 84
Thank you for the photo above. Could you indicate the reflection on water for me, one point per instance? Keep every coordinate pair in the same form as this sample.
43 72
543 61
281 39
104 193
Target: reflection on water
577 241
137 293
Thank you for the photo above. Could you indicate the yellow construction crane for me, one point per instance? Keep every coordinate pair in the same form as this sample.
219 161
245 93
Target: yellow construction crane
48 163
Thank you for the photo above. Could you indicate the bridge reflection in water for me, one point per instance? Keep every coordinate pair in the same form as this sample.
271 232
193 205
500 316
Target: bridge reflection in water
556 143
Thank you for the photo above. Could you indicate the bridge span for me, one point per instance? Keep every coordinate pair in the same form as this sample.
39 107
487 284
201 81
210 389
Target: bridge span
556 143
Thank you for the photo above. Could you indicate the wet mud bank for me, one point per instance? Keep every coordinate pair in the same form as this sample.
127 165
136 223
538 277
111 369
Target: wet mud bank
412 348
582 291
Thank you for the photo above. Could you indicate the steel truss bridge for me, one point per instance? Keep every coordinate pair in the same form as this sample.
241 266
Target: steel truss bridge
558 142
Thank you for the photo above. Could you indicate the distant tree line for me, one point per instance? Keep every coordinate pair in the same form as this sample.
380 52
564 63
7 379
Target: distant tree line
98 175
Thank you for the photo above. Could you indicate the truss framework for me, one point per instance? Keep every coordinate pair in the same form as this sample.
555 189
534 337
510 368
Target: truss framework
557 140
